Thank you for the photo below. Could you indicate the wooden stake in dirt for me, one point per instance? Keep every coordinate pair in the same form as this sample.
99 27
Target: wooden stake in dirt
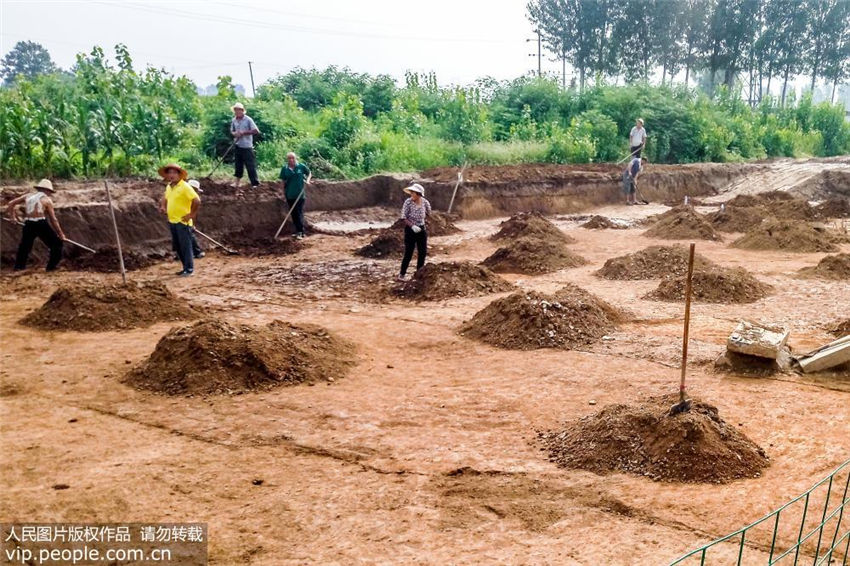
454 192
685 404
117 236
288 214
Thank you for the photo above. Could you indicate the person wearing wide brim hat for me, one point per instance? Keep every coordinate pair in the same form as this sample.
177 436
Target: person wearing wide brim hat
40 222
181 204
414 212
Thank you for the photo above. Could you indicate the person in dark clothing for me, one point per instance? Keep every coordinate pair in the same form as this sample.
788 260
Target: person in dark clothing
243 129
414 212
630 176
296 176
40 222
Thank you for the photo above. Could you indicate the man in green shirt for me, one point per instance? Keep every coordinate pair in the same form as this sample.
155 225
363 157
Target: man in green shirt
296 176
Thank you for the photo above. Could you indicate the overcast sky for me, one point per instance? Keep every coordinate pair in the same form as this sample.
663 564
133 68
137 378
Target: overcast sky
460 40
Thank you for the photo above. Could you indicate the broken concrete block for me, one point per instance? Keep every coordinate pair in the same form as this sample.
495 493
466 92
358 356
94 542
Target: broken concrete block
757 340
833 354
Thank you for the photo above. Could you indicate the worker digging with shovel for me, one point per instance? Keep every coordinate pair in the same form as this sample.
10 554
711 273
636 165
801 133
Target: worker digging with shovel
39 222
630 176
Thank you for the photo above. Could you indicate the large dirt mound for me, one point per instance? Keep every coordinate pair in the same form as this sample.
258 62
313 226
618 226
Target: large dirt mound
786 235
213 357
106 259
694 446
532 225
569 319
598 222
96 307
653 262
834 207
251 242
683 225
532 257
830 267
445 280
718 285
760 199
390 241
736 218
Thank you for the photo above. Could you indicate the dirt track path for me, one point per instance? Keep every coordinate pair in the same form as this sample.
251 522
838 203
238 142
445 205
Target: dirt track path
364 469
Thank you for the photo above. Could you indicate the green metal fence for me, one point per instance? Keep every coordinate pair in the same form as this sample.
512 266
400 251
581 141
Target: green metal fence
812 528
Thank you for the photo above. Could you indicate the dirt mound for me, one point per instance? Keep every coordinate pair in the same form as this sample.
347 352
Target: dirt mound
106 259
390 241
445 280
736 219
249 241
776 203
652 263
214 357
569 319
759 199
718 285
96 307
598 222
682 225
834 207
786 235
841 329
531 225
532 257
830 267
696 446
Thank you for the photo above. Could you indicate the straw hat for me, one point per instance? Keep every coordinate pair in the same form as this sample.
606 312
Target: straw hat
237 106
183 174
45 185
415 188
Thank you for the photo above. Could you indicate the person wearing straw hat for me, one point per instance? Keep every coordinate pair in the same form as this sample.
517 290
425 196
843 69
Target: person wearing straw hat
181 203
637 138
243 129
415 210
39 222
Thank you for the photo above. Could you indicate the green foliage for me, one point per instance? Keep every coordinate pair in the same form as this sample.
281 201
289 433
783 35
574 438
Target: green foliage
341 122
463 118
27 59
566 147
602 131
829 121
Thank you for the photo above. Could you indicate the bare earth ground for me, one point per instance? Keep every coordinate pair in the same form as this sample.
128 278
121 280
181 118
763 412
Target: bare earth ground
358 471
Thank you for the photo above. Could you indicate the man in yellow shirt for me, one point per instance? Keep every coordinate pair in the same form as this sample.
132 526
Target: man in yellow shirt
181 204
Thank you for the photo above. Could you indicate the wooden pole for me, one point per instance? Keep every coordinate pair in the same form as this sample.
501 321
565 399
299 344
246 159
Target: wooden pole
457 184
687 322
117 236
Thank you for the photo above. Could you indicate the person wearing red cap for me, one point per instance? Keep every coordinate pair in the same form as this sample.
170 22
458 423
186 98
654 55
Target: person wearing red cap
181 204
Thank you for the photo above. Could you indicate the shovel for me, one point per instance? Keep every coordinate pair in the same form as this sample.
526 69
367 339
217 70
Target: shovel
217 243
72 242
684 403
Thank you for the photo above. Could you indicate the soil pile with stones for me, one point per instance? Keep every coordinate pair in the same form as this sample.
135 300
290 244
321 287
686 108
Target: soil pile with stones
569 319
250 242
786 235
696 446
835 207
532 225
760 199
213 357
598 222
533 257
654 262
446 280
736 218
718 285
106 259
95 307
682 225
835 267
390 241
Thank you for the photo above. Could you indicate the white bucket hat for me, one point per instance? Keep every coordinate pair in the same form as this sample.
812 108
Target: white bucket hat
194 183
415 188
45 184
238 106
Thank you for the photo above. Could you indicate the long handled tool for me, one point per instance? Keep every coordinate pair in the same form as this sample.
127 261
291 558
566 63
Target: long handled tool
216 242
623 160
288 214
72 242
684 403
639 195
117 236
457 184
221 160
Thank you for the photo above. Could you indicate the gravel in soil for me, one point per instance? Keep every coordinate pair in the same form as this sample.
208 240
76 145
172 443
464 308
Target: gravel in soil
836 267
654 262
685 224
598 222
787 235
718 285
531 225
446 280
533 257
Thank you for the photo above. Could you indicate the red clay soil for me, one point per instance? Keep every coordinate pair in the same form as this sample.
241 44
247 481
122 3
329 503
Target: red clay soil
718 285
447 280
106 259
760 199
248 241
569 319
390 241
835 207
212 357
835 267
653 262
736 219
685 224
788 235
97 307
598 222
530 225
696 446
521 175
533 257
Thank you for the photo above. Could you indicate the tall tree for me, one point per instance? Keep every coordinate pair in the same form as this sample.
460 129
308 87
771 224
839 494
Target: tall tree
731 30
788 22
695 29
667 35
27 59
566 28
634 34
829 23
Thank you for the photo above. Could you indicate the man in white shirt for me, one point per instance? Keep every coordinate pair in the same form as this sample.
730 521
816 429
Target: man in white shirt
637 138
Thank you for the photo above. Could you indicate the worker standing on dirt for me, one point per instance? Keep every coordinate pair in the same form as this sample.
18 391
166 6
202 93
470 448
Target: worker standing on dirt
181 204
414 212
243 129
637 138
39 222
630 176
296 176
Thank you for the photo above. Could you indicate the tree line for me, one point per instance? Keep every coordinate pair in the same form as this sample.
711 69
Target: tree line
746 42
